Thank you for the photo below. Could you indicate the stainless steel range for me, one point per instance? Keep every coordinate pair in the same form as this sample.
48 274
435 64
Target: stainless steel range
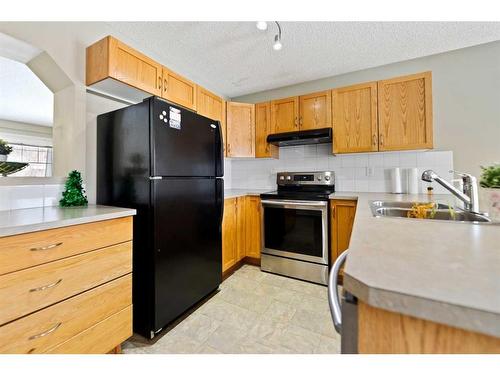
295 228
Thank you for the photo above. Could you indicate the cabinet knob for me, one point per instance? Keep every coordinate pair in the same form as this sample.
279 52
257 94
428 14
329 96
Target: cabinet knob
159 83
374 139
381 139
296 122
165 85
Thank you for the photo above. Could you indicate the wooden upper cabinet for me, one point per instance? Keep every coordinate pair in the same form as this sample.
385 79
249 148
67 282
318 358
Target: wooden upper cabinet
240 138
263 128
210 105
110 58
405 112
178 89
355 118
315 110
285 115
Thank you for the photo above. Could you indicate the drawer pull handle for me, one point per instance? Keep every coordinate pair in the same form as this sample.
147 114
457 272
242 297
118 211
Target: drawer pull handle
48 332
48 247
40 288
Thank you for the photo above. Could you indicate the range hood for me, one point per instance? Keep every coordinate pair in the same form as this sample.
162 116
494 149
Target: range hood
304 137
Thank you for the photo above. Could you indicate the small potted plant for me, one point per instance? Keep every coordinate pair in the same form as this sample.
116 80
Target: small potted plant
490 191
5 150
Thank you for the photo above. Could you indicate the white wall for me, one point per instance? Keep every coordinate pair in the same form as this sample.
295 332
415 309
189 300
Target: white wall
362 172
465 89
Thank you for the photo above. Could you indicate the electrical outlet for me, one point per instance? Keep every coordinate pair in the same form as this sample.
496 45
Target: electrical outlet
369 171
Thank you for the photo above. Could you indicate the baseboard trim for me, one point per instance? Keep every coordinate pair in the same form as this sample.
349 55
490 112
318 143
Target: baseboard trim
239 264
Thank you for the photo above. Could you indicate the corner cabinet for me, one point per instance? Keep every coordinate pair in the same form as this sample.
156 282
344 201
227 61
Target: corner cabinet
240 130
405 112
355 118
263 127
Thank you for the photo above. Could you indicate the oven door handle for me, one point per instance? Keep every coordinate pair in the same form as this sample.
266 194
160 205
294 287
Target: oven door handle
284 202
333 293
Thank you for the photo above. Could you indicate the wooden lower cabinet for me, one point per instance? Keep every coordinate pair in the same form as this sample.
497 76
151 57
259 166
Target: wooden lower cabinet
385 332
66 319
253 227
241 235
229 247
342 212
69 291
100 338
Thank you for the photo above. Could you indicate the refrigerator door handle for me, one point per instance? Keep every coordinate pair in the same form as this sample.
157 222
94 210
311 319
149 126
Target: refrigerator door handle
220 198
219 168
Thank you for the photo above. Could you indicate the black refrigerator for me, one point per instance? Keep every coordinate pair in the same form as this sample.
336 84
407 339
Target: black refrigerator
167 163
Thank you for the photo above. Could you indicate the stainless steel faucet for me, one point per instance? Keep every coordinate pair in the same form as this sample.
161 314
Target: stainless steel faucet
469 195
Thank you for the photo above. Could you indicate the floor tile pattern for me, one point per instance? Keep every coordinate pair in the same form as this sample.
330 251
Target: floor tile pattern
253 313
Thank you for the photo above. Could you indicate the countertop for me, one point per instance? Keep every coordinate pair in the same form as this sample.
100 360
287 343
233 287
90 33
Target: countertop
41 218
440 271
233 193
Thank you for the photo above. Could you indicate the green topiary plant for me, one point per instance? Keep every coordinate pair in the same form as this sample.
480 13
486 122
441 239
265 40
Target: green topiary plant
5 149
490 178
74 195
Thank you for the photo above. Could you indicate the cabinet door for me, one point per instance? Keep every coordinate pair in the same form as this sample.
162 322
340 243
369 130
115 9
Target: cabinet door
253 227
355 118
315 110
285 115
132 67
405 113
178 89
240 228
342 214
240 139
229 234
212 106
262 129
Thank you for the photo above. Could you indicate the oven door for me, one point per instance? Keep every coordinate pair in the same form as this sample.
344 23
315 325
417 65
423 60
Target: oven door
296 229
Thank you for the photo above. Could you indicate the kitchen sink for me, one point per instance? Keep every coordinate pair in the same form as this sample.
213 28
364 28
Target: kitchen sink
439 212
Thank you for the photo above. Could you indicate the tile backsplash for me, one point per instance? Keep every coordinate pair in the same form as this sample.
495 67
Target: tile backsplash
28 196
368 172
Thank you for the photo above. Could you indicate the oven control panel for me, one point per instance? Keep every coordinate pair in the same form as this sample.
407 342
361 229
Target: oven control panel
306 178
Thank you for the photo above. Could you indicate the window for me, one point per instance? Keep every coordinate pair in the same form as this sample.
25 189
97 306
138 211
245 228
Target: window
39 159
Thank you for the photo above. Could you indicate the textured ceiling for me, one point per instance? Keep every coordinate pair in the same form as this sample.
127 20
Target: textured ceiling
235 58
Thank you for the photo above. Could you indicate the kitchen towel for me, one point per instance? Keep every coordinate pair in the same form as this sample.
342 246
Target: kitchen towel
396 185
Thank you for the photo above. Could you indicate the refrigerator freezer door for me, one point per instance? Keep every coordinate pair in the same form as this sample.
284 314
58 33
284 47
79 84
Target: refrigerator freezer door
188 250
183 142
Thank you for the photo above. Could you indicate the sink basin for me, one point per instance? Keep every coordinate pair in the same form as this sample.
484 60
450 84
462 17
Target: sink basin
440 212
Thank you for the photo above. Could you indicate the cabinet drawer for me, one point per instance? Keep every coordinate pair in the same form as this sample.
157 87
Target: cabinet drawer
38 332
29 290
100 338
31 249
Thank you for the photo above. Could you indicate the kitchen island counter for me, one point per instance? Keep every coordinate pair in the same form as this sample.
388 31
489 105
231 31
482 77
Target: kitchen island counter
445 272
